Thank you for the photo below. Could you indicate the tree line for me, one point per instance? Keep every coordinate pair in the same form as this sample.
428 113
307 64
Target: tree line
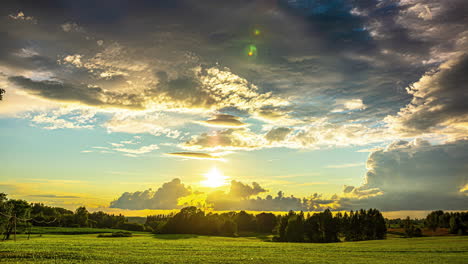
318 227
457 223
19 216
323 227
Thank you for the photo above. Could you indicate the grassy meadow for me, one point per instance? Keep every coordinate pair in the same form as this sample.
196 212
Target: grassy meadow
149 248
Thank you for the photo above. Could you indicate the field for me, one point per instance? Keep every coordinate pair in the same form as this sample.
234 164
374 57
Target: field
148 248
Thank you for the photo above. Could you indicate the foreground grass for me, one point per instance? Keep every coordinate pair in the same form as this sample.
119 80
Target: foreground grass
147 248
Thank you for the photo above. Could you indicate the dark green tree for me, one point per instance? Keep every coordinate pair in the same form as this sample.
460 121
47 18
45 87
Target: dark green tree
295 229
17 213
81 217
266 222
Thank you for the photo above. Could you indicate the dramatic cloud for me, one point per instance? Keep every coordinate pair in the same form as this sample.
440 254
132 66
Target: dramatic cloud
193 77
439 102
174 195
88 95
165 197
413 176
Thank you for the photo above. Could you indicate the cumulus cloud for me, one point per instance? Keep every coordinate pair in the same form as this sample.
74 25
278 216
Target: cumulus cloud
413 176
238 189
222 201
174 194
439 102
166 197
224 120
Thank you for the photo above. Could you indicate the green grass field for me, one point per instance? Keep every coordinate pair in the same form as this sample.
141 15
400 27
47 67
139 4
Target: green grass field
148 248
71 230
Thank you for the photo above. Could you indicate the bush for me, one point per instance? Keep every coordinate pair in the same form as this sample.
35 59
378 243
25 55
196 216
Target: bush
117 234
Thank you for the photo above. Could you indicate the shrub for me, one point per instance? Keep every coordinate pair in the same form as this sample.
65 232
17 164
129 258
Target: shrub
117 234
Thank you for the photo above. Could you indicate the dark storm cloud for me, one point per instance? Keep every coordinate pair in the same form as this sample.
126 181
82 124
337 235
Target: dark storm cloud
439 99
310 54
165 197
66 92
333 49
413 176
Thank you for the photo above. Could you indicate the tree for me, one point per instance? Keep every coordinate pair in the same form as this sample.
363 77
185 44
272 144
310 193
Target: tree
81 216
265 222
410 229
5 212
456 224
17 213
2 91
432 220
245 222
322 227
295 229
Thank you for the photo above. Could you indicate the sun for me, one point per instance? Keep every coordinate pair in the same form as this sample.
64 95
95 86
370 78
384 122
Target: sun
214 178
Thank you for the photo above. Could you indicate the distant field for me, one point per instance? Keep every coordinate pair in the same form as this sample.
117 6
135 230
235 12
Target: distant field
148 248
70 230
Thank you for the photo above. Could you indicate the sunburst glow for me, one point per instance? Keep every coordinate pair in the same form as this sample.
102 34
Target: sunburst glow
214 178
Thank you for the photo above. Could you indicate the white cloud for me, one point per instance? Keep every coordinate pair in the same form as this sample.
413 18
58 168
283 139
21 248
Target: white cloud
348 104
138 151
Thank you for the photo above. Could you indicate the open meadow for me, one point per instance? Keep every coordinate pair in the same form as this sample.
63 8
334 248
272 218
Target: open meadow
149 248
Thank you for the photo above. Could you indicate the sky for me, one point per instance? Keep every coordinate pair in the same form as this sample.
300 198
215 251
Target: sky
258 105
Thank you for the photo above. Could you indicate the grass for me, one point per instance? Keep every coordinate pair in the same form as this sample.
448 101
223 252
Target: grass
70 230
148 248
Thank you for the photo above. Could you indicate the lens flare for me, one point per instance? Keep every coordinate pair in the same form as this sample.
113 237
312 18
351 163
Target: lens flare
252 51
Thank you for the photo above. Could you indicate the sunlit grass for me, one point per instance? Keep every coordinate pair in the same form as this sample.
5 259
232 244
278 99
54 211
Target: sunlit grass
148 248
